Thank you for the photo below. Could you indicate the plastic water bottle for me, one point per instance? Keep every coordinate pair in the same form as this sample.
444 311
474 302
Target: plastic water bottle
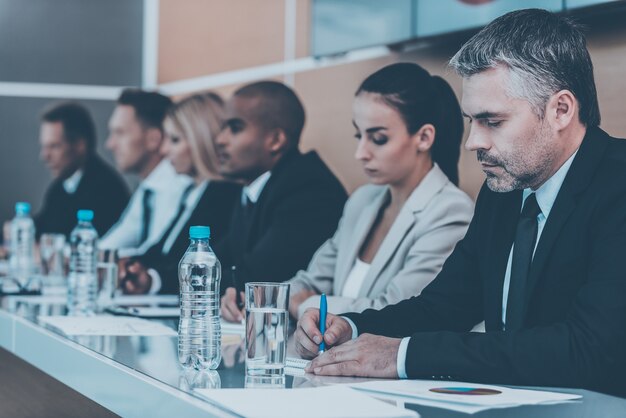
199 331
82 281
22 247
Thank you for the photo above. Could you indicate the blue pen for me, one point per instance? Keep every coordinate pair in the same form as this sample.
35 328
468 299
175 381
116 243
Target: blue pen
323 309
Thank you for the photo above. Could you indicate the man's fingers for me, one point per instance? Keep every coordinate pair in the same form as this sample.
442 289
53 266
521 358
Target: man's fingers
306 351
134 267
338 354
227 310
234 312
347 368
308 345
309 325
229 306
130 286
337 330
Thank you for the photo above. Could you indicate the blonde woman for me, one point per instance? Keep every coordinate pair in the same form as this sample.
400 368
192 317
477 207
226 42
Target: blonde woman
191 126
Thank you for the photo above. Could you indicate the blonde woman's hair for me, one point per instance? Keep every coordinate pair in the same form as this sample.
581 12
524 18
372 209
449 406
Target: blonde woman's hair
198 118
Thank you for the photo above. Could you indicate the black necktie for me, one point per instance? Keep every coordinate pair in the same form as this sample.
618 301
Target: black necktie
248 212
147 214
525 240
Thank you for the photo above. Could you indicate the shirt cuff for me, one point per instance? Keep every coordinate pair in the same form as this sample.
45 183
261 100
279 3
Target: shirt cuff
401 360
156 282
355 332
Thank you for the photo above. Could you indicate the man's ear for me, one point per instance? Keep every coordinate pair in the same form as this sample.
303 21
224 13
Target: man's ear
154 139
277 141
424 137
562 109
80 147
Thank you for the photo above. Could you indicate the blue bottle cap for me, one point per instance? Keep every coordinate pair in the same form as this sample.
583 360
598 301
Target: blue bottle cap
85 215
199 232
22 208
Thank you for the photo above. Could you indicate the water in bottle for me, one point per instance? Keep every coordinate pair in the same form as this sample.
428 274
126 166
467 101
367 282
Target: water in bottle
82 281
199 331
22 261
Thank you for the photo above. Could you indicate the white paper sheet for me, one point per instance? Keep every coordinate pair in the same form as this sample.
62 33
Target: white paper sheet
106 325
420 393
40 299
145 311
146 300
321 402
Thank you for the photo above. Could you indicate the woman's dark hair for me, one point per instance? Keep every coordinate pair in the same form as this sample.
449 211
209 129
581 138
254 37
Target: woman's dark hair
420 98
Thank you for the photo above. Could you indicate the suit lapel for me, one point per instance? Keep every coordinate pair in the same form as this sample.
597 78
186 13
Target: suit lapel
401 226
277 181
422 195
576 181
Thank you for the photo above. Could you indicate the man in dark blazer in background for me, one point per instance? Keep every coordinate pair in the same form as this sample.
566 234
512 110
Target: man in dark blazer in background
291 202
82 179
543 262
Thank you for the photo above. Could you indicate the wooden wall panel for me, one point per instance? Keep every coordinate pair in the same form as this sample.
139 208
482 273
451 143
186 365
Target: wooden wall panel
202 37
607 46
303 28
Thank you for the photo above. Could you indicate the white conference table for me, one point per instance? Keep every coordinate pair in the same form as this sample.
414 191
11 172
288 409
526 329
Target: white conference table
140 376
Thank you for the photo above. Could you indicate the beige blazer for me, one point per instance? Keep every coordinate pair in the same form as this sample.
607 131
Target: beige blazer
430 223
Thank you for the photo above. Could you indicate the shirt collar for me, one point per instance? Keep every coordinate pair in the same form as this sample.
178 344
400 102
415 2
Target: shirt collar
195 193
546 194
71 183
254 189
160 177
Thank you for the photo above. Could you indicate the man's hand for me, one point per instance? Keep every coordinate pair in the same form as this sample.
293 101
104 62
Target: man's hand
367 356
296 300
134 278
308 336
231 311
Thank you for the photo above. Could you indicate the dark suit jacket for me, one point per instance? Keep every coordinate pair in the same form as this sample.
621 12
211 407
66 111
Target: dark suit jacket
574 332
214 209
297 211
101 189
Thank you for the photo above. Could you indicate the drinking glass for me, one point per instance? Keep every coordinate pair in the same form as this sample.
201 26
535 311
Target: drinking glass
107 277
51 250
267 317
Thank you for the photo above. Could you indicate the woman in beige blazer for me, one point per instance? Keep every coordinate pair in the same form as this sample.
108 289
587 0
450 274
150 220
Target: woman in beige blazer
396 233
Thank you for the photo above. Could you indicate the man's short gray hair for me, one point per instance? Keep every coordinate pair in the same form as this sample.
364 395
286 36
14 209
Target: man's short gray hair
544 52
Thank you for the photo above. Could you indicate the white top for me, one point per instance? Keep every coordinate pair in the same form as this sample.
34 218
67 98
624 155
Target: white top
167 188
352 286
254 189
71 183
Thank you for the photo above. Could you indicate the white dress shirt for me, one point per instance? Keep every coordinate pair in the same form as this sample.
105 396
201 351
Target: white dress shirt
167 188
71 183
254 189
546 195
